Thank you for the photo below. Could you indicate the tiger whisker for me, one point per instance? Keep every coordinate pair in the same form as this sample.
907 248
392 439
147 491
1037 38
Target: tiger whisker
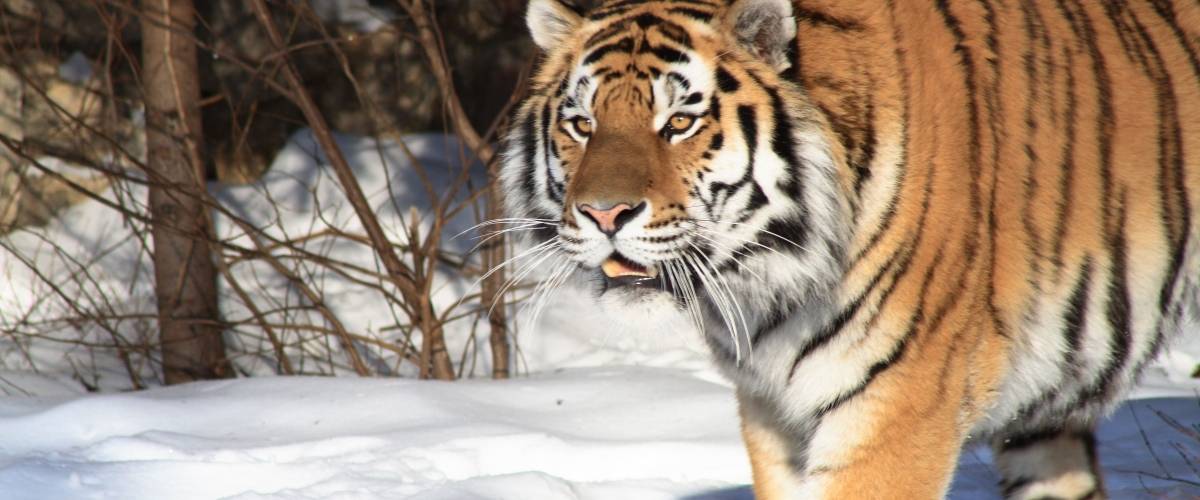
719 299
733 253
545 246
672 279
740 240
721 280
693 298
495 234
732 223
540 247
506 220
541 295
522 273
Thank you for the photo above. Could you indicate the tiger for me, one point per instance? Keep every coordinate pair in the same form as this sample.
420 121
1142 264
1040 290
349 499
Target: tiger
903 227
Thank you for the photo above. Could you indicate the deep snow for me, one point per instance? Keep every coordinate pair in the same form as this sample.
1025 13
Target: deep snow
604 412
585 433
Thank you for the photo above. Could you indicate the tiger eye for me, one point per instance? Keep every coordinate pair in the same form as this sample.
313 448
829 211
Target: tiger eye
583 126
680 122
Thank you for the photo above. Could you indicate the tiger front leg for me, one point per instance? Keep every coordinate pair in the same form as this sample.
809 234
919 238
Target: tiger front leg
868 448
774 452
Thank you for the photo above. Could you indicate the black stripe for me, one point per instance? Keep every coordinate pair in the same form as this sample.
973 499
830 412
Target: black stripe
1173 200
903 265
992 105
671 31
553 190
967 61
622 45
824 19
696 14
726 82
783 143
1075 317
610 31
562 86
1118 300
1167 12
528 139
889 213
788 233
782 140
1010 487
1035 30
1021 441
1066 182
758 199
571 6
1177 189
747 121
1132 47
612 10
866 148
847 312
898 350
1089 448
668 54
717 141
899 264
679 80
1117 312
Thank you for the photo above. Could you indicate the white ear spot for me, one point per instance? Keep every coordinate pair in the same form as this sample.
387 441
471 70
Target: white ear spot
765 28
550 22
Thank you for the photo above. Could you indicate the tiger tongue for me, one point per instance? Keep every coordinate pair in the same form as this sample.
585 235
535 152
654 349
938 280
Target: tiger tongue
614 268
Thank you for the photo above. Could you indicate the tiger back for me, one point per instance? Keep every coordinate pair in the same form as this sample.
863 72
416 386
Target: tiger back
898 223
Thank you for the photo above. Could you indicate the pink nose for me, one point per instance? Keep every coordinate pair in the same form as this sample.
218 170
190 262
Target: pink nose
610 219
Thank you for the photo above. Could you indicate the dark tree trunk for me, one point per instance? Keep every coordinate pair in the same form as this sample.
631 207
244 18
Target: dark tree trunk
185 275
490 297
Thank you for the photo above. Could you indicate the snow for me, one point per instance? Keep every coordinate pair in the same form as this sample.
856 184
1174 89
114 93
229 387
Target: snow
586 433
600 410
364 17
76 69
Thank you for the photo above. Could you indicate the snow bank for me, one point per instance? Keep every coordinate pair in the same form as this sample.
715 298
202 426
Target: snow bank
596 433
656 432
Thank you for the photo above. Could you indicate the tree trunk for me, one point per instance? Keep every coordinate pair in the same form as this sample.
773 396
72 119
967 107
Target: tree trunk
490 297
185 276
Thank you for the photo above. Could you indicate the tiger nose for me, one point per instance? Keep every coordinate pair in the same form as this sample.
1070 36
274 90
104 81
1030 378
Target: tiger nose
611 219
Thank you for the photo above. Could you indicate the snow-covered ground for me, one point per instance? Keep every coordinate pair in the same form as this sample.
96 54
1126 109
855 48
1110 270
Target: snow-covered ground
584 433
600 412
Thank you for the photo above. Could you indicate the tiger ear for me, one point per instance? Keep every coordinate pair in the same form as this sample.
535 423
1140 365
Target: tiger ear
551 21
765 28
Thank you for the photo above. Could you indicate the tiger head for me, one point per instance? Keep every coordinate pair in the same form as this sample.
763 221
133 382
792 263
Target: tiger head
661 149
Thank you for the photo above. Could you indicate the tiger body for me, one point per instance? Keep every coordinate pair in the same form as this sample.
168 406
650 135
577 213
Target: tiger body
899 223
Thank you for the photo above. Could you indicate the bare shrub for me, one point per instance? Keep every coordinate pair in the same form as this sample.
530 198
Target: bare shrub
340 233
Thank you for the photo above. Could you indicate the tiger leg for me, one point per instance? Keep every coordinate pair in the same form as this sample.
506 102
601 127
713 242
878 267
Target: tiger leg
858 452
1049 464
893 456
769 450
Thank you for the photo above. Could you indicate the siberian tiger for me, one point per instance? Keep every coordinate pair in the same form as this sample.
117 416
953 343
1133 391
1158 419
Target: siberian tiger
900 223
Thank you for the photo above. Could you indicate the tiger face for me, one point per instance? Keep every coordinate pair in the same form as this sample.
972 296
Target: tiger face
661 150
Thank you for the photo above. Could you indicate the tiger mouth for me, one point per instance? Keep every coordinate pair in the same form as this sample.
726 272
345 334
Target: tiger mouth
620 271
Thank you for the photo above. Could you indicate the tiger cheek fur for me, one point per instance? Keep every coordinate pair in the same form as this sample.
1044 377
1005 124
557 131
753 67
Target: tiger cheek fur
898 223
